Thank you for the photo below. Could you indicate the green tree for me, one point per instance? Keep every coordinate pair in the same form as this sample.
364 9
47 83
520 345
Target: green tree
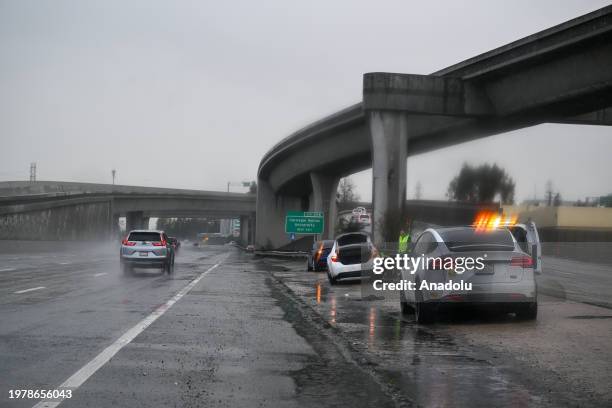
481 185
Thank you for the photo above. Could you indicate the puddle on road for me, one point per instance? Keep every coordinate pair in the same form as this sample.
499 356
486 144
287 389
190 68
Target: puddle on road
328 379
422 363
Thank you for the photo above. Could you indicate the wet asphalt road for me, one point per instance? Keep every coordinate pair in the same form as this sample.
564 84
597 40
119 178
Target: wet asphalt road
264 332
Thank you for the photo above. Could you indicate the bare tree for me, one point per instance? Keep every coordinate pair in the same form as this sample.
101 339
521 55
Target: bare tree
346 191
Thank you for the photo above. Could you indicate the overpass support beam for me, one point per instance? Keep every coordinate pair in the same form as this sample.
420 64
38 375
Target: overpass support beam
114 227
246 229
393 103
271 210
134 220
389 132
324 189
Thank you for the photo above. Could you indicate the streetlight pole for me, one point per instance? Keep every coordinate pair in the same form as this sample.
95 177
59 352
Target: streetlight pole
113 172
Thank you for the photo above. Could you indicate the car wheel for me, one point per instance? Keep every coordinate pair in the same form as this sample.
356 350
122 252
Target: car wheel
424 313
528 312
308 266
404 306
169 267
332 280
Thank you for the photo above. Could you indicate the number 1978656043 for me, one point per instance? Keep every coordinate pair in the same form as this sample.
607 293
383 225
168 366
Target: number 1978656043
40 394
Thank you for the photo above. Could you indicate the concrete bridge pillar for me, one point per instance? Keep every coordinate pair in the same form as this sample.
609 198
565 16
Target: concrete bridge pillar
324 189
114 227
389 132
134 220
394 103
271 210
246 229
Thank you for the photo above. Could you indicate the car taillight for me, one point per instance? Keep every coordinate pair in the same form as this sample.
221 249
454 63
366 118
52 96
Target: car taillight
319 252
334 257
435 264
127 243
522 261
159 243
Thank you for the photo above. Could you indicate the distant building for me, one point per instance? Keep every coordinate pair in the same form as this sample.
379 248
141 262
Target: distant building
542 202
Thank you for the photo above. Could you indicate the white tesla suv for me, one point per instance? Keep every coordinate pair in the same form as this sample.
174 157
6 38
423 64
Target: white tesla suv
506 281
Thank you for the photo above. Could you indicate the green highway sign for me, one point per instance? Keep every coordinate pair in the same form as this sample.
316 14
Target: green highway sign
300 222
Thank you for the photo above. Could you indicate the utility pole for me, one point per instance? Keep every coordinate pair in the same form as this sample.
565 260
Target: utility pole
113 172
32 172
549 193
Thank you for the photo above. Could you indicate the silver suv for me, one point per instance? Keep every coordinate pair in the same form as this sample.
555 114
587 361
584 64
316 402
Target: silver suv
147 249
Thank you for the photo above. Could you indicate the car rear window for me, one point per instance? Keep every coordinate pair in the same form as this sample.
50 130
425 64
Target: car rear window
144 236
352 239
468 239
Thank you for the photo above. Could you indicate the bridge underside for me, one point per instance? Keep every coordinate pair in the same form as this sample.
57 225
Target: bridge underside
89 216
560 75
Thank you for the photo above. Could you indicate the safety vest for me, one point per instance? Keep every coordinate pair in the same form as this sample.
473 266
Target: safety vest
403 243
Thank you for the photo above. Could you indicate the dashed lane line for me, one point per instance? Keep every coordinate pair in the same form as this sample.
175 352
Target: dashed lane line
19 292
78 378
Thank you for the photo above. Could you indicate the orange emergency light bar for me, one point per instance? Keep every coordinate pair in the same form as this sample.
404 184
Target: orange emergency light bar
489 220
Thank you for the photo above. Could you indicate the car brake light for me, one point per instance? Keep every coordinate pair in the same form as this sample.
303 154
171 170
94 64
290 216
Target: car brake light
435 264
127 243
454 297
522 261
319 251
159 243
334 257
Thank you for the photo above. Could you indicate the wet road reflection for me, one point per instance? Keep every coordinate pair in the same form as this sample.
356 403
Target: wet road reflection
427 366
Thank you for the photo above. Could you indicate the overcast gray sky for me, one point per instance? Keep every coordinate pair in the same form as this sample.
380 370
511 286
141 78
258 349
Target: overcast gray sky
192 94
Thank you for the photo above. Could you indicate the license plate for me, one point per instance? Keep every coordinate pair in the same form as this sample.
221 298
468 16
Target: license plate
143 253
487 270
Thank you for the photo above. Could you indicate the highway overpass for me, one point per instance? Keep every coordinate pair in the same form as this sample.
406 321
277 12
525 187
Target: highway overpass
65 211
559 75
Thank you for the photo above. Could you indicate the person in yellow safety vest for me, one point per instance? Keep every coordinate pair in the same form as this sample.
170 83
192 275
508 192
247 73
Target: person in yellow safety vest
404 240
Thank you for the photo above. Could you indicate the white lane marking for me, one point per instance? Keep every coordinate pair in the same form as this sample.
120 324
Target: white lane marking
65 263
78 378
7 269
100 274
30 290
